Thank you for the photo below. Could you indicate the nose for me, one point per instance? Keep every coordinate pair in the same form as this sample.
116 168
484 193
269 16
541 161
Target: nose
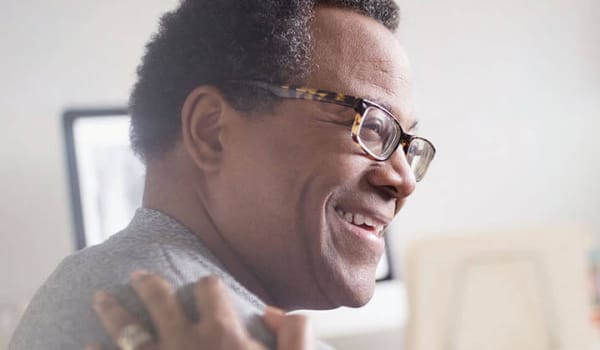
394 176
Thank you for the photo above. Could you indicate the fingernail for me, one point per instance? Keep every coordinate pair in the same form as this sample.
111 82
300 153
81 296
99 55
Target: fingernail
139 274
211 280
274 311
101 298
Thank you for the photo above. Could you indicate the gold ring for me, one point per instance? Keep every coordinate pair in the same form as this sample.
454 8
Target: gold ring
132 336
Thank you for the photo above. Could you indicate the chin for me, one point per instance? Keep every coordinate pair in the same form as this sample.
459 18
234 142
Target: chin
334 292
350 289
361 300
357 295
344 286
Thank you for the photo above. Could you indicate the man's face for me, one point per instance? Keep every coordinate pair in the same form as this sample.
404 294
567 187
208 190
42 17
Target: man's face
298 200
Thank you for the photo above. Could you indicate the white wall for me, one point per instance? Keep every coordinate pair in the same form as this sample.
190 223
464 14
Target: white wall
509 91
55 54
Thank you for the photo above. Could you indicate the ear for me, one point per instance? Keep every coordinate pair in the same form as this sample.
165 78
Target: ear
202 118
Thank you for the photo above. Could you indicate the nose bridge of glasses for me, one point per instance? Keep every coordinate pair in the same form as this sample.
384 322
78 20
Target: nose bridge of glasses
398 156
398 164
405 141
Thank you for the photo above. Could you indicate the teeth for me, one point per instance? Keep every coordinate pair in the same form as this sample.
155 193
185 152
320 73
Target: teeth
359 219
348 217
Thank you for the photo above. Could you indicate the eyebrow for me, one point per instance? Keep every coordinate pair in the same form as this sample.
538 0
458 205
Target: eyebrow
381 103
387 106
413 126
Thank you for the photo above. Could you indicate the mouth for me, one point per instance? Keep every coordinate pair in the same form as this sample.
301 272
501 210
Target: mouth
363 221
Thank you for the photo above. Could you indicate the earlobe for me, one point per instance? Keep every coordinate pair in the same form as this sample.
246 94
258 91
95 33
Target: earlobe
202 118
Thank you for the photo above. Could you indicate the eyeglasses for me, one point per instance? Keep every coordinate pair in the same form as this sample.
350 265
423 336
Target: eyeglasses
375 129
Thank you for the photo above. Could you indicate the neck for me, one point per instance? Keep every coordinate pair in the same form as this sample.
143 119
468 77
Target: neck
181 198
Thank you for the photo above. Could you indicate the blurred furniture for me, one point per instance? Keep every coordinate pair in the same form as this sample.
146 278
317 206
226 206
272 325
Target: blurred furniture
522 290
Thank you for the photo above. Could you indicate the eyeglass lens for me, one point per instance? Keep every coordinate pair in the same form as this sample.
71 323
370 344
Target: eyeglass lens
419 156
380 135
378 132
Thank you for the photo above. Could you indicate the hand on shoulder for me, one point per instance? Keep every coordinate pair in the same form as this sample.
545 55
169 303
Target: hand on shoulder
219 328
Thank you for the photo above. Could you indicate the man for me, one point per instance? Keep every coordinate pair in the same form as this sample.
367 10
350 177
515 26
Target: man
280 190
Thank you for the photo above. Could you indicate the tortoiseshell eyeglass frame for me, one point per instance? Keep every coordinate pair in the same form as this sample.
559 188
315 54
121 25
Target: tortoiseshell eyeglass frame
360 106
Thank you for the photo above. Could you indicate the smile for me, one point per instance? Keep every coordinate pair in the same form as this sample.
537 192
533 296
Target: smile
362 221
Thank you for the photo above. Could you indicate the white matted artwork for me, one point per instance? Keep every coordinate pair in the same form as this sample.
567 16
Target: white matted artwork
107 179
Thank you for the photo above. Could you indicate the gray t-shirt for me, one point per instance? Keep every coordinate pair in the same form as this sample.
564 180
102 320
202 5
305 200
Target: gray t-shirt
60 316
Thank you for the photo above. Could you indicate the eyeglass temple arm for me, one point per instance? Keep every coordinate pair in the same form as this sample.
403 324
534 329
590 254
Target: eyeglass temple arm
307 94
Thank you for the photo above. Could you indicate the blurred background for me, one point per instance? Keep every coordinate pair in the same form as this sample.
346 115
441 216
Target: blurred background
508 91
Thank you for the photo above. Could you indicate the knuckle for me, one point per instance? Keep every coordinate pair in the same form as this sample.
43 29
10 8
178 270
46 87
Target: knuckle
216 332
218 326
223 328
157 294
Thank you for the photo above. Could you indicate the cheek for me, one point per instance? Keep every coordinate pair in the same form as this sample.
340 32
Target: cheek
256 184
279 173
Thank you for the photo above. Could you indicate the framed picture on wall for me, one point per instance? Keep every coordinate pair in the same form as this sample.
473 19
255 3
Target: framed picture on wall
107 179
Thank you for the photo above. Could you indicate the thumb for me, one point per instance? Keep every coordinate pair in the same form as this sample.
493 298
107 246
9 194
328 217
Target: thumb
293 332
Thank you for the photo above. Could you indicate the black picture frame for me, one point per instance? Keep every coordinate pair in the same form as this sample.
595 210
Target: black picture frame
69 118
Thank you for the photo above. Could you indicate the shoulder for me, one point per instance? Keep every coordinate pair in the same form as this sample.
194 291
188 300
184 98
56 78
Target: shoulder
60 314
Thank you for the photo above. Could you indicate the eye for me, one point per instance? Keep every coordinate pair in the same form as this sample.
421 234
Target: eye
374 125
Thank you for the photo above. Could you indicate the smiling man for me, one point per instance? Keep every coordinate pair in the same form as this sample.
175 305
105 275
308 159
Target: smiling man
278 140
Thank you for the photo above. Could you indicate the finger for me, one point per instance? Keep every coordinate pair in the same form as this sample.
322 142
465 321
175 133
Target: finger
273 318
293 332
215 306
113 316
162 303
93 348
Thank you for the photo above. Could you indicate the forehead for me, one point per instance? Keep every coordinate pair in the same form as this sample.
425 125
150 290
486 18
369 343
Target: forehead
355 55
